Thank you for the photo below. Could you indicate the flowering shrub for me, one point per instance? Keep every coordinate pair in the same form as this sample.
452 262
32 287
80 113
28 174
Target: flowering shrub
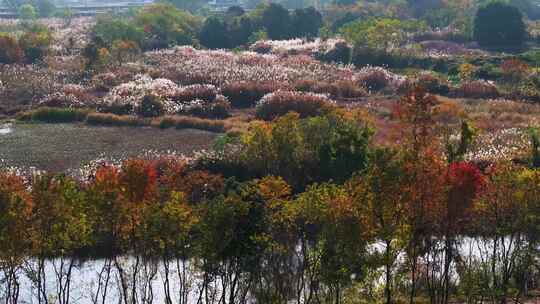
204 92
202 101
29 82
377 78
261 47
340 52
433 83
280 103
339 89
151 106
127 97
514 70
61 100
104 81
477 89
199 100
10 51
186 65
36 42
217 108
297 46
247 94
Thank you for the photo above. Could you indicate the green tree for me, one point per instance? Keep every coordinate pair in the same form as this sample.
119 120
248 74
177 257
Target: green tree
498 24
35 42
109 29
165 25
277 21
45 8
214 34
27 12
306 22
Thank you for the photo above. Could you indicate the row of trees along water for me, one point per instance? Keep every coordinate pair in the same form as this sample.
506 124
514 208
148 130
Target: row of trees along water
302 209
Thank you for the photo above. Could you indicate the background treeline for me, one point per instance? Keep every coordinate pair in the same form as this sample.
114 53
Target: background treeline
305 208
378 32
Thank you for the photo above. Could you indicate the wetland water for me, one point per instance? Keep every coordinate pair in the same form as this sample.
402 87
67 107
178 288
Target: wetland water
59 147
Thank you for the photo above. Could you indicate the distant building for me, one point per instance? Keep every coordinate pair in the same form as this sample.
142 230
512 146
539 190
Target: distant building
223 5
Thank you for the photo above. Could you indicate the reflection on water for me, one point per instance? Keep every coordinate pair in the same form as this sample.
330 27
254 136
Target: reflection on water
5 129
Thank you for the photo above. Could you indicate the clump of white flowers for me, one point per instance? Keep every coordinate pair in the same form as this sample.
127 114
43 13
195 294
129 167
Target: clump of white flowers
132 93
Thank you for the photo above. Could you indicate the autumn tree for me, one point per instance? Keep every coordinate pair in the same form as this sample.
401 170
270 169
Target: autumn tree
15 212
332 239
167 232
378 194
60 228
500 214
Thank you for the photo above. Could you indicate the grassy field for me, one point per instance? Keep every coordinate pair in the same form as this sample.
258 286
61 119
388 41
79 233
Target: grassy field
59 147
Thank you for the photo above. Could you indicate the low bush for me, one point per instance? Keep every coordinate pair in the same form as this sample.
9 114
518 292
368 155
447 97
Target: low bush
107 119
58 115
186 122
151 106
477 89
218 108
340 53
10 50
374 78
61 100
280 103
247 94
104 82
433 83
204 92
336 90
35 42
488 71
261 47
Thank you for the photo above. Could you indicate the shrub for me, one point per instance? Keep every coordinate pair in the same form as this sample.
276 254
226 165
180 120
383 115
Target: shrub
315 149
61 100
247 94
477 89
374 78
339 89
261 47
204 92
28 82
433 83
280 103
35 42
514 70
186 122
488 71
113 120
151 106
58 115
341 52
498 24
10 51
104 82
218 108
